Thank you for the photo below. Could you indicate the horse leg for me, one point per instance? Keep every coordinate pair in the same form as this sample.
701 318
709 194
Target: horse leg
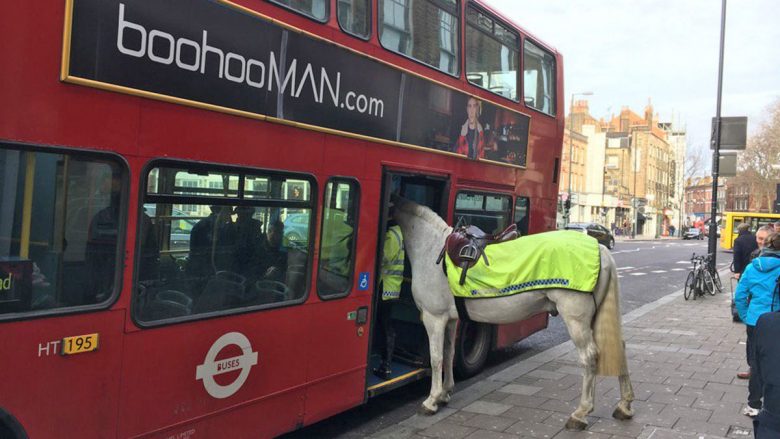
582 337
435 326
449 357
623 410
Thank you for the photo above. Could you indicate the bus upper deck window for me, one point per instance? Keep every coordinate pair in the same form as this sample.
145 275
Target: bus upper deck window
316 9
492 54
538 78
60 236
355 17
425 30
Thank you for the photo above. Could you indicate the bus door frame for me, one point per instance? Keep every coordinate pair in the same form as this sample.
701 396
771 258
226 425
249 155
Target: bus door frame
389 172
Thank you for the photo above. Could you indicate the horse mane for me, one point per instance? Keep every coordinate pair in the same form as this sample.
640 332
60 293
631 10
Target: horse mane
422 212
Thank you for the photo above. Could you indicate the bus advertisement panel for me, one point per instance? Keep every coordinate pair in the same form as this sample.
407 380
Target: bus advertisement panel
228 60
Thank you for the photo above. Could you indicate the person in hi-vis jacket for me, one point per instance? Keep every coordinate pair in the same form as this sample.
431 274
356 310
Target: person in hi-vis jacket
391 278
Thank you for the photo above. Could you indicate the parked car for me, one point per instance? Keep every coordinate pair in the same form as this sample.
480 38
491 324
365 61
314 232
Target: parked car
296 230
707 229
693 233
601 233
181 224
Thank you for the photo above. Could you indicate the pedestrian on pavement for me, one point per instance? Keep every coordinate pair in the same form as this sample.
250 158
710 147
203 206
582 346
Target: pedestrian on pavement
753 297
761 235
671 230
767 362
743 246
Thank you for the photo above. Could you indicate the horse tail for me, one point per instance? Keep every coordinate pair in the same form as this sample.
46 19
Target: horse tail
607 327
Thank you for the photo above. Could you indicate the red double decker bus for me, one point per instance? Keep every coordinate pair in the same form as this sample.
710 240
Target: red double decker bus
195 194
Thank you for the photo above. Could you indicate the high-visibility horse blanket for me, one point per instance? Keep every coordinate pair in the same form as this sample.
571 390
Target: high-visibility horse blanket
561 259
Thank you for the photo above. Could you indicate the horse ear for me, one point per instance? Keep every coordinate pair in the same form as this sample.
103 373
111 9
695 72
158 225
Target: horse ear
396 200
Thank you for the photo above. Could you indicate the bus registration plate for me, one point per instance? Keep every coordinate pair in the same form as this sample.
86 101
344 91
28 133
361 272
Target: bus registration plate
79 344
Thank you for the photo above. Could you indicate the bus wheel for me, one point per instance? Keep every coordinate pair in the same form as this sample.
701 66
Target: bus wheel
10 427
471 348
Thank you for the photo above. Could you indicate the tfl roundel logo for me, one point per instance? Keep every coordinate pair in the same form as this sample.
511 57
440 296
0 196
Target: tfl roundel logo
211 367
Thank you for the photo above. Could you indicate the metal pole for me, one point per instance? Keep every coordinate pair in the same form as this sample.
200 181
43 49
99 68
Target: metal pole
567 211
634 201
713 241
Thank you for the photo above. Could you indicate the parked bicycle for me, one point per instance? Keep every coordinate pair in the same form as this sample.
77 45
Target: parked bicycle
701 279
715 277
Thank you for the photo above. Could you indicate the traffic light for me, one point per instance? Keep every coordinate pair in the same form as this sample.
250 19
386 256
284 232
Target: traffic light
567 204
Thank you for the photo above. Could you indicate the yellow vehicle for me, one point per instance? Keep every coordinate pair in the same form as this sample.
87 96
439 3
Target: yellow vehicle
756 220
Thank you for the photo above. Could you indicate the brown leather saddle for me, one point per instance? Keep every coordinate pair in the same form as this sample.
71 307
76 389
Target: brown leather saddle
466 244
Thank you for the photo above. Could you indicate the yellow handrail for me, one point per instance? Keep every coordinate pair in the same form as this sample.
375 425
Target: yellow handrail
29 182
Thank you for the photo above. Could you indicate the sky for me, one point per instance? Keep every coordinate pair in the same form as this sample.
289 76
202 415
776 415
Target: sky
629 51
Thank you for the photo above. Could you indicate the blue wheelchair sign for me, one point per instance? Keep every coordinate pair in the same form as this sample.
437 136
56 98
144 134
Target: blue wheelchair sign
363 281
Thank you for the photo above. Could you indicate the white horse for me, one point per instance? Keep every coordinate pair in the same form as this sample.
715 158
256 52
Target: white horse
593 320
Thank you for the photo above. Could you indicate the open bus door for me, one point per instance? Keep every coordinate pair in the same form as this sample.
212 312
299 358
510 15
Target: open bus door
410 357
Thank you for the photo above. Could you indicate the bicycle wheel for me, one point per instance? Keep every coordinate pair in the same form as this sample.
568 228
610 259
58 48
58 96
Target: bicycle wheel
716 279
708 283
689 286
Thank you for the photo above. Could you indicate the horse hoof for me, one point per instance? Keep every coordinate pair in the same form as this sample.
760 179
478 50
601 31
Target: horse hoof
425 411
621 415
575 425
444 400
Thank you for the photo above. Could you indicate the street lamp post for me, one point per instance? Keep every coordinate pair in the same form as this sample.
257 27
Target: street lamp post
567 211
712 245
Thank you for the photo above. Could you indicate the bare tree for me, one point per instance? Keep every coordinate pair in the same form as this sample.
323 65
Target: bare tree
757 165
696 164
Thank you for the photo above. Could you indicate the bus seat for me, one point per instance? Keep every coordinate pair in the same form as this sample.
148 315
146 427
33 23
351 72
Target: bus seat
218 294
271 291
167 304
175 296
231 276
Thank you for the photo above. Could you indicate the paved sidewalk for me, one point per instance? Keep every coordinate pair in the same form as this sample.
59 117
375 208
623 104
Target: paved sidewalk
683 359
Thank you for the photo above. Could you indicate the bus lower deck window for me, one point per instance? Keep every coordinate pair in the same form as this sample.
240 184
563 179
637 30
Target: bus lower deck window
60 230
216 241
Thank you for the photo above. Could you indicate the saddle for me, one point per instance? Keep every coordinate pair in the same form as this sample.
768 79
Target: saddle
466 244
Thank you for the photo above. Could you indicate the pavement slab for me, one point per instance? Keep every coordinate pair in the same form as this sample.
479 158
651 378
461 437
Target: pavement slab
683 358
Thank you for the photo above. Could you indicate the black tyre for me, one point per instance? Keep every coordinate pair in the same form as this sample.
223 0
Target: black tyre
708 283
10 428
472 346
718 283
611 243
690 286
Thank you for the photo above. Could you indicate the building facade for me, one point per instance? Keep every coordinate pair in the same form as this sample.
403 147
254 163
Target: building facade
625 172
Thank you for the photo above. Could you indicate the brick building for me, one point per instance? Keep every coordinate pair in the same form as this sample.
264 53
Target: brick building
641 170
698 198
629 170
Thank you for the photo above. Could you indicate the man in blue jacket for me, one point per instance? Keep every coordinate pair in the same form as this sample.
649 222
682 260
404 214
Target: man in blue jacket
753 297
